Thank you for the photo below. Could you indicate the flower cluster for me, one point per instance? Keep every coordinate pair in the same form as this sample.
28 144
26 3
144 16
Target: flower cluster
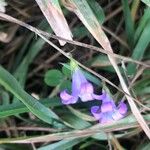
83 89
108 111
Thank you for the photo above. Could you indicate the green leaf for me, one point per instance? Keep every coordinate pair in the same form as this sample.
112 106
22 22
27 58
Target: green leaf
143 21
5 97
53 77
104 136
34 48
74 121
18 108
81 115
15 147
142 86
140 48
98 11
66 71
92 78
143 146
11 84
128 22
65 85
61 145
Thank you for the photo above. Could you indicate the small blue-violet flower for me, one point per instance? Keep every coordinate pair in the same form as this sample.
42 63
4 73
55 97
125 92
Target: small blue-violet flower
108 111
81 88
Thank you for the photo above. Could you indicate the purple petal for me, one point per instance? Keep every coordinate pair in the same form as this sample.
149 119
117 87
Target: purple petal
122 108
77 79
116 115
106 118
106 98
96 113
78 75
97 97
86 92
106 107
120 112
86 87
109 111
67 98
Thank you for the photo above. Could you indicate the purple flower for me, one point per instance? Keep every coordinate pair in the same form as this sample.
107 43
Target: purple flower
108 111
81 88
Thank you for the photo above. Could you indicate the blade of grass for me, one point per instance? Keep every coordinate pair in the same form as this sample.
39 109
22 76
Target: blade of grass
81 115
62 145
74 121
11 84
35 47
140 48
143 21
129 25
18 108
97 9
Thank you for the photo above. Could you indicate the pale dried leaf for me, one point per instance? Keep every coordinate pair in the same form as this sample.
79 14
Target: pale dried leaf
54 15
3 4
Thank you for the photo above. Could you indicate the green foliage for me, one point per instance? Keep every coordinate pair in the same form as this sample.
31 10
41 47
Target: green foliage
67 125
62 145
53 77
11 84
140 48
142 23
5 97
75 122
98 11
66 84
19 108
144 146
66 71
34 48
129 25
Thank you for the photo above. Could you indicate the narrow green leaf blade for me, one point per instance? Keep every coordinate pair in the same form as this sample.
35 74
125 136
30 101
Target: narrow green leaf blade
140 48
61 145
143 21
98 11
18 107
11 84
128 22
35 47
